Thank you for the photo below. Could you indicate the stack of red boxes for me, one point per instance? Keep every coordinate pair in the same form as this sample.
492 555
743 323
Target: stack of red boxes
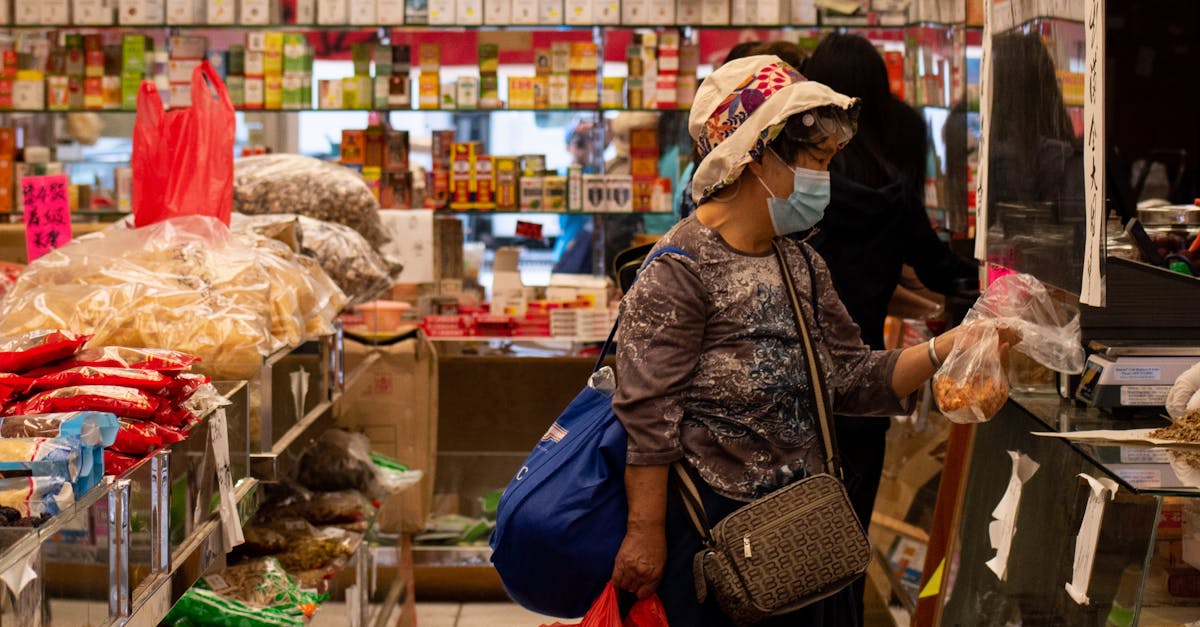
667 83
448 325
472 184
186 54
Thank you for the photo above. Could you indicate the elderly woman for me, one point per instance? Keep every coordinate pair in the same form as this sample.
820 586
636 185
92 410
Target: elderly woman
711 368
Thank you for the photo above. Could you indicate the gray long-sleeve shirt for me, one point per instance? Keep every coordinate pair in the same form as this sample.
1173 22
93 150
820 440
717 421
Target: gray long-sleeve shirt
711 368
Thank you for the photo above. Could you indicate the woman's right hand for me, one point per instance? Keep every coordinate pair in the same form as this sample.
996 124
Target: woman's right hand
640 560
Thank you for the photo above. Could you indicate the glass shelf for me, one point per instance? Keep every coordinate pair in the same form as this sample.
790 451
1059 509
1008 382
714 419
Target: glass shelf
243 110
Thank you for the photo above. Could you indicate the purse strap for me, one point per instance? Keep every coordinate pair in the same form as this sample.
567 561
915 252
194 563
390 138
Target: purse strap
816 377
690 494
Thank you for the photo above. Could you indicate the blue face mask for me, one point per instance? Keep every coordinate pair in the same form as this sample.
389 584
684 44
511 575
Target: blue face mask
804 207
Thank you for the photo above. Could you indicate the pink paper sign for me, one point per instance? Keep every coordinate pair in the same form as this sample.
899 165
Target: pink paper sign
47 213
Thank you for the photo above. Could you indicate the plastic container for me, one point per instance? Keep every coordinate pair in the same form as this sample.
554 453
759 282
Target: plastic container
382 315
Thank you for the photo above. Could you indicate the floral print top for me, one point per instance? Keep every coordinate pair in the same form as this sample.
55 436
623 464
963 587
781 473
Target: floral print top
711 369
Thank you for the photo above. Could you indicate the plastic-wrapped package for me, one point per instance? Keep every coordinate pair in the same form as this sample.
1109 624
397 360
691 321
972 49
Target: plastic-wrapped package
284 227
184 283
11 385
310 187
337 460
304 300
34 496
116 463
122 401
971 385
263 583
199 607
327 508
182 387
92 428
9 273
147 380
348 258
63 457
204 401
36 347
140 438
321 550
157 359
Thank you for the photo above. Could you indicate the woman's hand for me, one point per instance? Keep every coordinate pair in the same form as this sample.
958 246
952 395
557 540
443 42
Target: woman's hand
640 560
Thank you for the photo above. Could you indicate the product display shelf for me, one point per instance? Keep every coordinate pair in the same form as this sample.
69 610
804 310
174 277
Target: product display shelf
367 598
890 25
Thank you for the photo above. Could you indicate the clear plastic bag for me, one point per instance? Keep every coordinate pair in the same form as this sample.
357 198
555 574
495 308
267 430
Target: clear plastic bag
310 187
304 299
184 283
349 259
337 460
971 385
92 428
35 496
1049 328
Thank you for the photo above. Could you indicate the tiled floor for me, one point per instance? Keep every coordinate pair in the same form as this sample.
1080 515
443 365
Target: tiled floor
477 615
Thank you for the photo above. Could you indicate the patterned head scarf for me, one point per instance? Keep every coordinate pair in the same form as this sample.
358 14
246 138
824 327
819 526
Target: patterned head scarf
740 108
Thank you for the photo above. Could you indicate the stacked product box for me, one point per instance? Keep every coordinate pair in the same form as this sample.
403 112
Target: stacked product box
667 80
584 66
489 81
643 154
380 155
400 83
297 72
472 184
186 54
429 86
438 190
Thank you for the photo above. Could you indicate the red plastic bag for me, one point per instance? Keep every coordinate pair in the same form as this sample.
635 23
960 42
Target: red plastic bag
116 463
147 380
135 437
183 159
37 348
605 612
124 402
182 387
156 359
175 417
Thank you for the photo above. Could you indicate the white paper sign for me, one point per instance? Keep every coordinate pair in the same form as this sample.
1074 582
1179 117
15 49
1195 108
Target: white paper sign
1102 491
985 120
20 575
1004 526
1094 159
411 231
218 430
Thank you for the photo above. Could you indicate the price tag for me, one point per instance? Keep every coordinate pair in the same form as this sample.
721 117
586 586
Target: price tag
47 213
216 582
218 429
529 230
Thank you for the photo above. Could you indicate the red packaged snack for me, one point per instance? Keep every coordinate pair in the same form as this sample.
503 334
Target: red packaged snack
175 417
184 386
136 437
147 380
116 463
124 402
37 348
156 359
12 385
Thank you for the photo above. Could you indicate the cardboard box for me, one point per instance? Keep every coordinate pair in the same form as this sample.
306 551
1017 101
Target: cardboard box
429 57
531 196
332 11
578 12
442 12
256 12
255 91
525 12
606 12
395 402
469 13
99 12
363 12
714 12
507 175
416 12
273 54
400 91
550 12
429 91
306 12
220 12
273 93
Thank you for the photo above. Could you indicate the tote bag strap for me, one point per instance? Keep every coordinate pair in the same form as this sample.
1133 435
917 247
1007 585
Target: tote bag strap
816 376
612 335
691 502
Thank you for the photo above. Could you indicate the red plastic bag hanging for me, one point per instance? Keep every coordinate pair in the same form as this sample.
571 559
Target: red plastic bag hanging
605 612
183 159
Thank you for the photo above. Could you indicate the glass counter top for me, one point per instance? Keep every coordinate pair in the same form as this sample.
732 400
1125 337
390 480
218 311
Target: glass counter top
1159 471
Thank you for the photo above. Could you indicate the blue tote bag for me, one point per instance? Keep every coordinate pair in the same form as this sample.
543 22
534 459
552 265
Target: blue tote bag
562 518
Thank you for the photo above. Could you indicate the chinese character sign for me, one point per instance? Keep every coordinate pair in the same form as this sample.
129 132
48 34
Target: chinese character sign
47 214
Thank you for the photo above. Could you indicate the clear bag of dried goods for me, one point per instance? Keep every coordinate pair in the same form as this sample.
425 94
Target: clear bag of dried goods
329 508
337 460
35 496
93 428
263 583
971 385
310 187
283 227
183 283
348 258
304 299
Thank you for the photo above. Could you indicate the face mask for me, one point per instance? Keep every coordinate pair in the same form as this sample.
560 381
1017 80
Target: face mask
804 207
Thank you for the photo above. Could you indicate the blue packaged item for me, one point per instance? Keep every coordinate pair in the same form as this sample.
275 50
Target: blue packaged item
66 445
35 496
562 518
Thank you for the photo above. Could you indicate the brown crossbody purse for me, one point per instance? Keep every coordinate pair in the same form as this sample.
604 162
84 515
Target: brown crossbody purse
793 547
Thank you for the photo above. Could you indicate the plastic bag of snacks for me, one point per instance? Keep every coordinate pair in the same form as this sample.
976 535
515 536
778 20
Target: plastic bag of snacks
63 457
37 347
309 187
284 227
185 283
337 460
139 437
348 258
35 496
263 583
122 401
972 385
327 508
116 463
12 385
200 607
156 359
304 300
146 380
92 428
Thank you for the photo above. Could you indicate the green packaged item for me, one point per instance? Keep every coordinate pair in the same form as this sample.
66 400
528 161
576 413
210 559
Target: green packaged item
254 594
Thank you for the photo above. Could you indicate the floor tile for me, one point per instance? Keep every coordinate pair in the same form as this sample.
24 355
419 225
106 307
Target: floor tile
499 615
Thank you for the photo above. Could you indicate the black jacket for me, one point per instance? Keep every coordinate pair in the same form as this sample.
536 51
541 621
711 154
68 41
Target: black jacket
868 234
